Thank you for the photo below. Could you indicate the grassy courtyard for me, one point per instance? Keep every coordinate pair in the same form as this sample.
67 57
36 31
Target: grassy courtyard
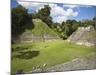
27 56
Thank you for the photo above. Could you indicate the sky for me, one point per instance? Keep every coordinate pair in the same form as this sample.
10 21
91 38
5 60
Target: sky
59 12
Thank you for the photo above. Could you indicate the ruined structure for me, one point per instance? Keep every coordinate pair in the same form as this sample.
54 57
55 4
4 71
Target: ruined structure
84 36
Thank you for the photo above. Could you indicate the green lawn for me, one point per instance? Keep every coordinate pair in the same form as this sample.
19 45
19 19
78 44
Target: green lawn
27 56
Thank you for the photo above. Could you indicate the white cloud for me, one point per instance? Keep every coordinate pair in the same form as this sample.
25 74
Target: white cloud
60 19
57 10
58 13
71 12
75 14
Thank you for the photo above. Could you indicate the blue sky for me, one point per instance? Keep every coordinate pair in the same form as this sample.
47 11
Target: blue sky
14 3
59 12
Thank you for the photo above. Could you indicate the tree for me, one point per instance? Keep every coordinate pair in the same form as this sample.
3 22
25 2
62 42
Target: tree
75 26
69 24
21 20
44 15
68 28
94 22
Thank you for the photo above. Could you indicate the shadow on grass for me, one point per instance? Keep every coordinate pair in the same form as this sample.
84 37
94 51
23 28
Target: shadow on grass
21 48
27 55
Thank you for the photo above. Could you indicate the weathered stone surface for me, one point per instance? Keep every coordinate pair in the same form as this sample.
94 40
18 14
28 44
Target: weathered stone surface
83 36
30 37
75 64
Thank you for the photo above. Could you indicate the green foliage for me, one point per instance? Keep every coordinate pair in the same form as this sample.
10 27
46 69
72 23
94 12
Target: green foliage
87 23
75 26
91 22
66 28
44 15
94 22
21 20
